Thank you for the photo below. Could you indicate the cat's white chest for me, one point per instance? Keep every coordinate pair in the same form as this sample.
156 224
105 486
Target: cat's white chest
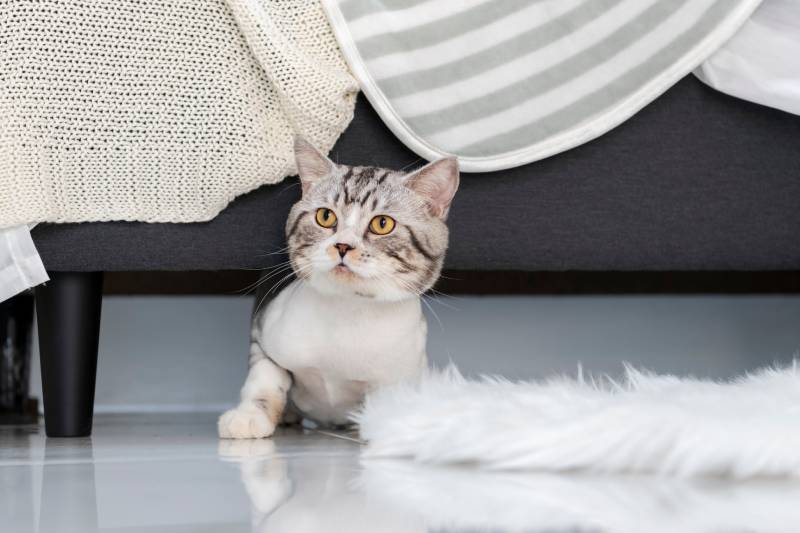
339 347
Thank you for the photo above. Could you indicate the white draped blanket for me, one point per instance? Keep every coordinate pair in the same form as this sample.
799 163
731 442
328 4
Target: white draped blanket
20 265
502 83
760 63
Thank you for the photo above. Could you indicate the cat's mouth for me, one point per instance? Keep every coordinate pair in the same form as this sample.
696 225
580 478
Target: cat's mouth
343 270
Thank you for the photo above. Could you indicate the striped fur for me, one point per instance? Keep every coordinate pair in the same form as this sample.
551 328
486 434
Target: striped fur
402 264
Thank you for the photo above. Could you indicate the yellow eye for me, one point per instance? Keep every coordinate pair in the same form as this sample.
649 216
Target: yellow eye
325 217
381 225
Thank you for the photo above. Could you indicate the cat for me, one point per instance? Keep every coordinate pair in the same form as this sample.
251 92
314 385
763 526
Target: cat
364 244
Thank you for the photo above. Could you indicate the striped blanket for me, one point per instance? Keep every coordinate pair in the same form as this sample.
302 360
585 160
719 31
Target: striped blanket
500 83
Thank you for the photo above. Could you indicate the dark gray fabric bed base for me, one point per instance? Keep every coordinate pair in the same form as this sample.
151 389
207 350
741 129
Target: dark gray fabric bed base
695 181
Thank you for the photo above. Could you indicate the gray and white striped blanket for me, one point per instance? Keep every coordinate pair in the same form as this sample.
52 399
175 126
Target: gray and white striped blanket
500 83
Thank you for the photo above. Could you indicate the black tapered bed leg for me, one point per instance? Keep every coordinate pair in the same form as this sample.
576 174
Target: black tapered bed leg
68 315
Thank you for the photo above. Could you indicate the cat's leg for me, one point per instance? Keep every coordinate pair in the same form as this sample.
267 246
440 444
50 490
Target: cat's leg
291 415
263 400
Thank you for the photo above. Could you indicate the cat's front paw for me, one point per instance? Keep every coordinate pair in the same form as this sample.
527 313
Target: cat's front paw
245 422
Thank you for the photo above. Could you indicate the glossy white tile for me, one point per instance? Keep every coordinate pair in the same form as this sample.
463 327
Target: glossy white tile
169 473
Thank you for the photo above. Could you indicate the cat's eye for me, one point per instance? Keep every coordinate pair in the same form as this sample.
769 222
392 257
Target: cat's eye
381 225
325 217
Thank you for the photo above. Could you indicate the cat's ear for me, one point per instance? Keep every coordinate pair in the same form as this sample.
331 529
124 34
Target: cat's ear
437 182
312 165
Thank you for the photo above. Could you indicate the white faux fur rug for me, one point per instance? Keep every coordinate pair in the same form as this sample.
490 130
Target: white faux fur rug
667 425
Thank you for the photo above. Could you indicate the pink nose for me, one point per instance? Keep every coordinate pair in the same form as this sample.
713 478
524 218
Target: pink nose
343 248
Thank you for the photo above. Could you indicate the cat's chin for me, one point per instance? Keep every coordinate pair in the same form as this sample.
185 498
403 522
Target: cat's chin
342 281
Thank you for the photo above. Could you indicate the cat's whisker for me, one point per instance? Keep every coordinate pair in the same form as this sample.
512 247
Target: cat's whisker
278 266
439 302
414 162
291 185
274 271
444 294
387 274
276 284
275 251
277 272
282 251
260 269
436 297
277 248
279 282
294 272
260 303
251 287
434 313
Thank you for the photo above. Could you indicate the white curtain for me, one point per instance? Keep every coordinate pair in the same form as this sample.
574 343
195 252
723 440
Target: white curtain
20 265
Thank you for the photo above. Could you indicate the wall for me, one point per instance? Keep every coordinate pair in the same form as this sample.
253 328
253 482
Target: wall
190 353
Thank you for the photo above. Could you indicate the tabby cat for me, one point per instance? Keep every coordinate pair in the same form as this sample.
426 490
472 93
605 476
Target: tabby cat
364 244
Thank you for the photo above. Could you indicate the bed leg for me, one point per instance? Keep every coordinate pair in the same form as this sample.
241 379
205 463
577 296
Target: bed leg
68 315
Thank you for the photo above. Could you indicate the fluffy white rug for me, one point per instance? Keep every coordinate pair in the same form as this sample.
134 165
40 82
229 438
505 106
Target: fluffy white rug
744 428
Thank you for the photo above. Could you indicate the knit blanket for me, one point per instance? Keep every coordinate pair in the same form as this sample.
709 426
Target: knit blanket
503 83
159 111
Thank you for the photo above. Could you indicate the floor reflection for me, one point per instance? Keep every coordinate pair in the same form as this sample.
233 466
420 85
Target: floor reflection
68 501
464 499
321 489
171 474
314 487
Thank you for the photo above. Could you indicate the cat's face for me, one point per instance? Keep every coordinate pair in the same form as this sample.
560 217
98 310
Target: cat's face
367 231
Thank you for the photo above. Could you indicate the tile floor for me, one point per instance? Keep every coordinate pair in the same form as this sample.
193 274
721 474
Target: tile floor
169 473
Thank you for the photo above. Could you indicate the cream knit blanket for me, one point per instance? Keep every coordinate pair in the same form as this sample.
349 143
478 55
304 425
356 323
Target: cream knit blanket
159 111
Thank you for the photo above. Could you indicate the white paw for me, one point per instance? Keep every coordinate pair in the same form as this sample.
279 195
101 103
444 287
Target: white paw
245 422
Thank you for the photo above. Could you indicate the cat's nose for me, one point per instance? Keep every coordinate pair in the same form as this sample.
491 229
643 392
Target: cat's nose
343 248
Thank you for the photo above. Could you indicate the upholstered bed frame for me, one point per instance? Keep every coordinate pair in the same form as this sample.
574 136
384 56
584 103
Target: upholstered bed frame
697 181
